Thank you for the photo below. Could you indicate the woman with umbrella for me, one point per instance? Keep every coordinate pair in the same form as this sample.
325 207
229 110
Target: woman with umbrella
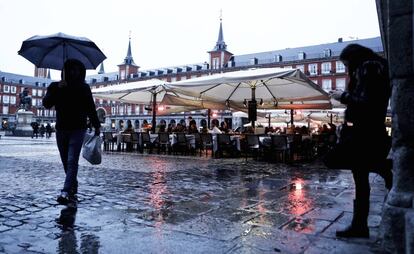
71 97
73 102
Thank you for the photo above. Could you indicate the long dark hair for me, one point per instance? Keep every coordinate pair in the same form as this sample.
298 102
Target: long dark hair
355 55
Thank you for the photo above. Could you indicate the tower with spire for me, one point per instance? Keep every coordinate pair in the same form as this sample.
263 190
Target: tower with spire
219 56
128 67
101 69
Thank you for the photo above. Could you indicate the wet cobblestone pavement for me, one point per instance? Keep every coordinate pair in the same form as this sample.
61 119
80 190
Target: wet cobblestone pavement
135 203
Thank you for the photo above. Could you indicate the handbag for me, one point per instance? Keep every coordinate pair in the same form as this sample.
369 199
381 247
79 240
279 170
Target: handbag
91 149
341 155
358 151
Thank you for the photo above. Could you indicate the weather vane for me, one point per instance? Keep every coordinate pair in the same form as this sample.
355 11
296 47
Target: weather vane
221 14
130 34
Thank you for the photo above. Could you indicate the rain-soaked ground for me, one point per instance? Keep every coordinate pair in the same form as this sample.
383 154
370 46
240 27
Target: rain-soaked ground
135 203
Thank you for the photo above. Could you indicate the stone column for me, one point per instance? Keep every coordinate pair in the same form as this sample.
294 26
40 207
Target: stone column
398 209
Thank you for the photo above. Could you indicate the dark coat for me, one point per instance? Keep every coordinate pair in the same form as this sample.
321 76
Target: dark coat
367 101
73 102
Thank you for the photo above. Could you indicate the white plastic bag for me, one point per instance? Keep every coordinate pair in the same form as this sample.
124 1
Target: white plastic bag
91 149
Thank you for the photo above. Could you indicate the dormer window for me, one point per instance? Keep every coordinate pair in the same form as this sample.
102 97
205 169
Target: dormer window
253 61
301 55
327 53
278 58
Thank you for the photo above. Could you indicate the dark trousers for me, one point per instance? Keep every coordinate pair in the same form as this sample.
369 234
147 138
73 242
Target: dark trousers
362 188
69 144
361 202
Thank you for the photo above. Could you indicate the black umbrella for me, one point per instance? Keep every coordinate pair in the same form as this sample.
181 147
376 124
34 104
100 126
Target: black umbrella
51 51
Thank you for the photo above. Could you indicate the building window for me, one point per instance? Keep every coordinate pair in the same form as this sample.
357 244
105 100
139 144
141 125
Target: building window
5 110
301 55
215 63
301 67
6 99
313 69
34 92
13 89
129 110
6 89
340 84
326 68
39 92
122 74
13 100
327 84
340 67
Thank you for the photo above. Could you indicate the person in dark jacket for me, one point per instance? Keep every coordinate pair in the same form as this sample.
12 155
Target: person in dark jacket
366 98
73 102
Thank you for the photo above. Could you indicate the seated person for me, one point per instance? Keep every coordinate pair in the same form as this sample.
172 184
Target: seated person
129 129
193 127
215 129
162 128
223 127
179 128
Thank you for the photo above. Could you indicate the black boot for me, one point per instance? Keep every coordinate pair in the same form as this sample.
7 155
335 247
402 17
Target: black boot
385 171
359 225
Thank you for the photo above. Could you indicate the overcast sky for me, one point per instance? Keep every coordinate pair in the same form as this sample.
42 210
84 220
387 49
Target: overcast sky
170 33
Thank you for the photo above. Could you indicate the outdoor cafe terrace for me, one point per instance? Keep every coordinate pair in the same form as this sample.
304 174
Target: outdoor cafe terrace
272 147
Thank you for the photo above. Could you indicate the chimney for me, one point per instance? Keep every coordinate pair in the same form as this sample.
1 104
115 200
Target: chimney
340 39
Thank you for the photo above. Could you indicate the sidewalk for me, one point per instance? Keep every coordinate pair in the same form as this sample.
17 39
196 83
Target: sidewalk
135 203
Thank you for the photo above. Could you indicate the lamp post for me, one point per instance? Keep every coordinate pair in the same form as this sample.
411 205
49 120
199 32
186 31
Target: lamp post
208 118
154 112
252 108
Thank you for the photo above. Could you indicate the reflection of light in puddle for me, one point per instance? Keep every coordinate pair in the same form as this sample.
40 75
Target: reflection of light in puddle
261 208
298 202
158 189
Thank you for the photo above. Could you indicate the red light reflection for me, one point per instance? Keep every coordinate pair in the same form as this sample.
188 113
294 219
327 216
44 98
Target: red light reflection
298 202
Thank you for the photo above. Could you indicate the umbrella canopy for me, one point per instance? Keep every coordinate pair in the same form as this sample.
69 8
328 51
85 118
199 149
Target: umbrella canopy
271 88
272 85
51 51
138 92
154 92
327 117
141 92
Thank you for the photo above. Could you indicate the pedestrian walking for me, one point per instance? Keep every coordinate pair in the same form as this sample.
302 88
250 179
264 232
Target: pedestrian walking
73 102
35 127
42 130
367 144
48 130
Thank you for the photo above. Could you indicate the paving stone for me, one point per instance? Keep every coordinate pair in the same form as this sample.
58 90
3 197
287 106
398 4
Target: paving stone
12 208
13 223
4 228
23 212
307 226
7 214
